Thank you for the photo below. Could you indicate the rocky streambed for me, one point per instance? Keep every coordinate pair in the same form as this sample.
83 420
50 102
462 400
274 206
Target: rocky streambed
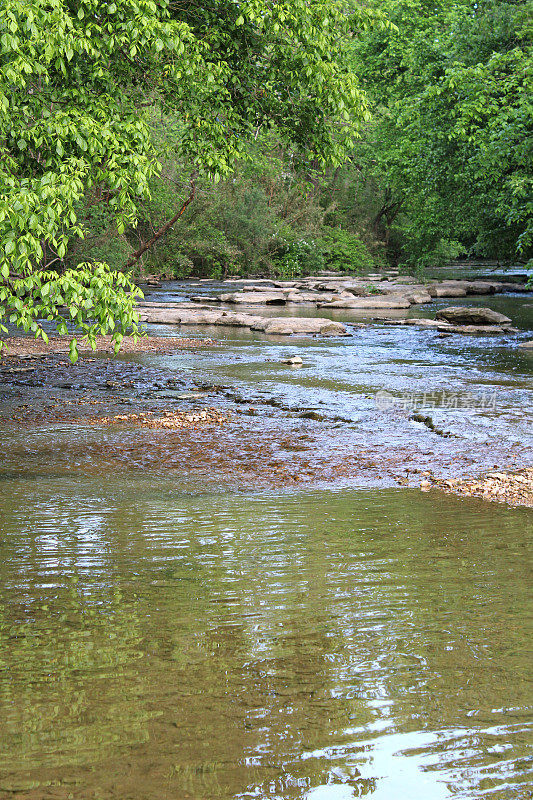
358 402
366 295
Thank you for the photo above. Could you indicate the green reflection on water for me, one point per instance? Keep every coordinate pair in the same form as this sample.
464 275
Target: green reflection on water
158 643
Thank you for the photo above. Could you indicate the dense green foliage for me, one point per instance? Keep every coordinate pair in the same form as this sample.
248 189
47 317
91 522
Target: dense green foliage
79 84
112 115
266 218
453 129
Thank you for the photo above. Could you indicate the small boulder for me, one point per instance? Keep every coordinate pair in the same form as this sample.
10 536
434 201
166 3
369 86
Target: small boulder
463 315
419 297
293 361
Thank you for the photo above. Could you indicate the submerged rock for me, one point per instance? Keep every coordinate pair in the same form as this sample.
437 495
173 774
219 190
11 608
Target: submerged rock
464 315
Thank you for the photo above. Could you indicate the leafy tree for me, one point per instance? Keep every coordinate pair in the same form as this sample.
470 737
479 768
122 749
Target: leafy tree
452 89
79 81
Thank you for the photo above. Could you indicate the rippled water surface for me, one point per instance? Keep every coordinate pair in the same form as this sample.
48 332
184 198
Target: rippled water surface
158 642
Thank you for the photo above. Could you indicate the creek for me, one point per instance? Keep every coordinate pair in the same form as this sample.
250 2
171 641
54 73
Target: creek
166 634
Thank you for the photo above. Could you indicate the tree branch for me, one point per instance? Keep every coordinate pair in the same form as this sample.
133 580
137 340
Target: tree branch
166 227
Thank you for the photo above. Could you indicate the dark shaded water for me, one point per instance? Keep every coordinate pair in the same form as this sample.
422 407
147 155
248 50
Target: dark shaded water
157 642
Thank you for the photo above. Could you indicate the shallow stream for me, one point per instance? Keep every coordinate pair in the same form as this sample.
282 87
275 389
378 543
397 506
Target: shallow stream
168 637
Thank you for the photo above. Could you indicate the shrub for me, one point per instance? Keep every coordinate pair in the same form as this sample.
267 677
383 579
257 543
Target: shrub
344 251
298 258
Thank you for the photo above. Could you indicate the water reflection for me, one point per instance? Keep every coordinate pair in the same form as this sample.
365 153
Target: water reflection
162 643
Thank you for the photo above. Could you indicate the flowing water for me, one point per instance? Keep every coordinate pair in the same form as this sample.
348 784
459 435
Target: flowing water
163 637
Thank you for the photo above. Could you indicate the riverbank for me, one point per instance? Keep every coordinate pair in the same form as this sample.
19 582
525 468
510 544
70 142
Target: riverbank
27 347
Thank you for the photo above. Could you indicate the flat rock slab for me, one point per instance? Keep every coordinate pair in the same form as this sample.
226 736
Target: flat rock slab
473 329
516 287
446 291
176 316
418 298
279 326
527 345
146 304
286 326
368 302
404 279
446 327
309 297
462 315
483 287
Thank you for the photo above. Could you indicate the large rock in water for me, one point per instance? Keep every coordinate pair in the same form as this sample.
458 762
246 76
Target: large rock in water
482 287
280 326
286 326
442 290
463 315
308 297
250 298
419 297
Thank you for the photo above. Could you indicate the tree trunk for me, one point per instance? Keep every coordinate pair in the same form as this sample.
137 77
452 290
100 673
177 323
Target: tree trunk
163 230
